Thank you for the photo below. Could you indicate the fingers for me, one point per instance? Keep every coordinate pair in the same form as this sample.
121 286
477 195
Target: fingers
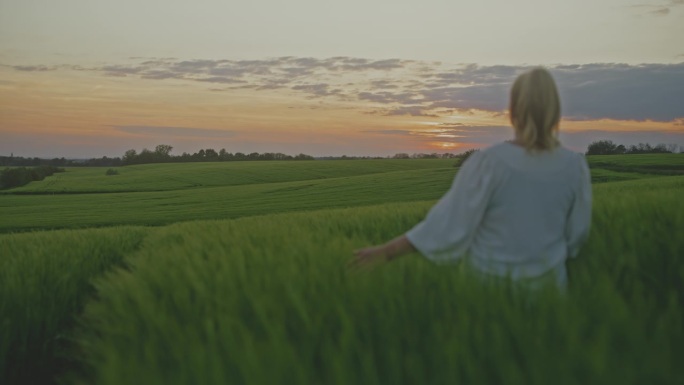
357 262
364 258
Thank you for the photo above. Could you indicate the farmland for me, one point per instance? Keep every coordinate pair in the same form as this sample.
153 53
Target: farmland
235 273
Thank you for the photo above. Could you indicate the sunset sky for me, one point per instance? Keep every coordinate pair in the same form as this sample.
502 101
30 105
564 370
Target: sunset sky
87 78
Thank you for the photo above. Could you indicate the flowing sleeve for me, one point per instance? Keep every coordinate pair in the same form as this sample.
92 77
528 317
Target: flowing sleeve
446 232
579 217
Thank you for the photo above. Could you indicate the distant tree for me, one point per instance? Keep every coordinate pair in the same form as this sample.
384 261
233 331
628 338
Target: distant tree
401 155
660 149
210 154
602 147
146 156
59 162
163 152
130 157
303 157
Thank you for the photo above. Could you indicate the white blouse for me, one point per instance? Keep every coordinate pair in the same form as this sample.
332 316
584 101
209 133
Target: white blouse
513 213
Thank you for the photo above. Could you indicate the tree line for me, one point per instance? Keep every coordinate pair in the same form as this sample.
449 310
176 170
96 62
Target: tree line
162 154
608 147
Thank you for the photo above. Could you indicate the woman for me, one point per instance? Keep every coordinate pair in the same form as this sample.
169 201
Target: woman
517 209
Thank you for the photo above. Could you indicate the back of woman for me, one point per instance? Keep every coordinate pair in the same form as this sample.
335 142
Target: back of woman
517 209
537 213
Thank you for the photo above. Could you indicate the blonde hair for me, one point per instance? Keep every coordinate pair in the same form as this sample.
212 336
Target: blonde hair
535 110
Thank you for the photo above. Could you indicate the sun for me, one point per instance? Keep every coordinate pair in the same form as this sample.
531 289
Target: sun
447 145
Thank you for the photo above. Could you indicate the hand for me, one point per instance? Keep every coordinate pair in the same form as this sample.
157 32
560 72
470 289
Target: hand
388 252
368 256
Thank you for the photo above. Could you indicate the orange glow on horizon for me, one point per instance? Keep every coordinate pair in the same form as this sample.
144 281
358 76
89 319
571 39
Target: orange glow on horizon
60 112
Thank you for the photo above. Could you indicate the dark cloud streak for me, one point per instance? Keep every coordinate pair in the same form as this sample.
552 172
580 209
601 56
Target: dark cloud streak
38 68
659 10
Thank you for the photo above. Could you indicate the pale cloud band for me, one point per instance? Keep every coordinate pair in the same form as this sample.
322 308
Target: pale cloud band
167 132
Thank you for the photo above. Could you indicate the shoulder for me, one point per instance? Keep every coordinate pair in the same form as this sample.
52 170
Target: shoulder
490 152
576 167
577 160
483 164
491 159
497 148
570 154
559 161
497 154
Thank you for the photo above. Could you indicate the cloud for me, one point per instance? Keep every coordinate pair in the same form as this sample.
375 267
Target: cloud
389 132
286 67
317 90
33 68
387 84
397 87
588 92
119 70
175 131
385 97
159 75
410 111
477 135
663 9
619 91
451 125
220 80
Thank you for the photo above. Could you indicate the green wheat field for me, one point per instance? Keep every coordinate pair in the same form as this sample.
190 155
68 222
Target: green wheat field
235 273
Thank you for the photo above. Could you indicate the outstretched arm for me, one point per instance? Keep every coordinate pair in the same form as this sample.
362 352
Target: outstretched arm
383 253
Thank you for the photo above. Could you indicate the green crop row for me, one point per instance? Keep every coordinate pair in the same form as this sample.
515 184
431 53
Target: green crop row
31 212
269 300
167 177
179 176
45 278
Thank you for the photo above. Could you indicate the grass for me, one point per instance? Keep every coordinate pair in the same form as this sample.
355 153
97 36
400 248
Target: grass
659 164
30 212
267 298
167 177
45 278
161 194
276 291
